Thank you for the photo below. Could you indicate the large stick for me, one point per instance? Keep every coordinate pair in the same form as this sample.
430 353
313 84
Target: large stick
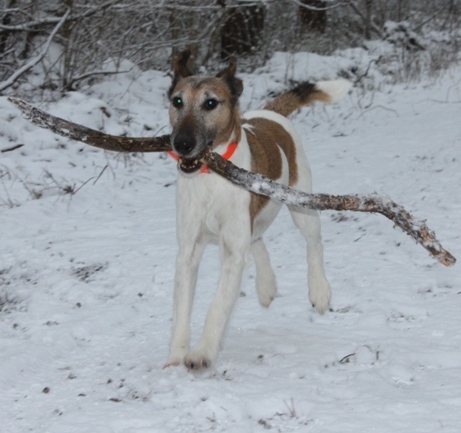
259 184
90 136
253 182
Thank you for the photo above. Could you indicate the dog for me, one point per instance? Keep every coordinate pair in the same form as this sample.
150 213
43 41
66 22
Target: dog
204 115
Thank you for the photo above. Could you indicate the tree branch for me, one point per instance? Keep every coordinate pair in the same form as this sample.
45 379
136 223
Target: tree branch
92 74
90 136
259 184
364 19
31 63
32 25
315 8
253 182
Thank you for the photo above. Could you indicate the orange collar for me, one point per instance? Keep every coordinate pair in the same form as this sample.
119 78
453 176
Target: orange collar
231 148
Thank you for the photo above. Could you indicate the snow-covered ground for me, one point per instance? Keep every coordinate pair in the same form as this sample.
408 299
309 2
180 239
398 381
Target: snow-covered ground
87 250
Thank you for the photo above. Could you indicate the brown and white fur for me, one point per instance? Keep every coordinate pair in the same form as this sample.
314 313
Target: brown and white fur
204 114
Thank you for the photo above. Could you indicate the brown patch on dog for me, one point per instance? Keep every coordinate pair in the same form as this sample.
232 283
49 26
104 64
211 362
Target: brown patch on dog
180 69
302 95
265 139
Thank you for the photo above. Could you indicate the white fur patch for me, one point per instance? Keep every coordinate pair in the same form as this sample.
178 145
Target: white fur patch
335 89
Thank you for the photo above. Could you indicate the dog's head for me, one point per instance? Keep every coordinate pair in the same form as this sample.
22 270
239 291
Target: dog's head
203 111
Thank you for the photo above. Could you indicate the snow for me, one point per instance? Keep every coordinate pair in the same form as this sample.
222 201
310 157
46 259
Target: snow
87 251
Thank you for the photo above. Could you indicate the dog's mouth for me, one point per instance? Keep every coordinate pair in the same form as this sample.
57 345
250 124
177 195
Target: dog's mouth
190 165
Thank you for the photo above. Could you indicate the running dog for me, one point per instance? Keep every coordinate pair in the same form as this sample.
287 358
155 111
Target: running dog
204 114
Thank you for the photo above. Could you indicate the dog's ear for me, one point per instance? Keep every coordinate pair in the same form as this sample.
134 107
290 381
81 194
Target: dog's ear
180 69
228 75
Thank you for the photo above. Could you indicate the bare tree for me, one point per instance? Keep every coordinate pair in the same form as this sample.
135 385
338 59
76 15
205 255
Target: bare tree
99 36
32 62
313 15
243 28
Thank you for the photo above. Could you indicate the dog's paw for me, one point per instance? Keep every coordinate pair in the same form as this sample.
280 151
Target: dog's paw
266 292
320 296
176 357
172 364
197 361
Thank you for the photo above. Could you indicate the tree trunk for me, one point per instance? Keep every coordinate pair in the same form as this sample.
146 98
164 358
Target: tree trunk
368 24
242 29
313 16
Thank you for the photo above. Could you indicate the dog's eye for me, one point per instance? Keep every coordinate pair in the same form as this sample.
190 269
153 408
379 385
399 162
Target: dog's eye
211 104
177 102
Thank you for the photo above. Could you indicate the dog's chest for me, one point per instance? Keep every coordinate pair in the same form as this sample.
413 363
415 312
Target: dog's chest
210 202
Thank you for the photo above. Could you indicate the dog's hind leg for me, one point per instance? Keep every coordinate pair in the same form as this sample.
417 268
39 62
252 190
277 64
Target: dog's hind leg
308 222
266 283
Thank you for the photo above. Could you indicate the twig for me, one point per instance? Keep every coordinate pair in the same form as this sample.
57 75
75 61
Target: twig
346 359
381 107
291 408
315 8
431 17
94 73
375 61
100 174
75 191
10 149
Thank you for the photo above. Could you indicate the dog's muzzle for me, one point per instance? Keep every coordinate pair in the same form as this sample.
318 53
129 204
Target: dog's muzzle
187 153
189 165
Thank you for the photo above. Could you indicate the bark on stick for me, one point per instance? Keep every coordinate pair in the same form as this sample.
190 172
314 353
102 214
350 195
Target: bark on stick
259 184
90 136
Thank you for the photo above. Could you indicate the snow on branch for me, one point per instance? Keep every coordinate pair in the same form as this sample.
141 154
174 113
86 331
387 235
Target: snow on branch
37 24
31 63
253 182
259 184
317 8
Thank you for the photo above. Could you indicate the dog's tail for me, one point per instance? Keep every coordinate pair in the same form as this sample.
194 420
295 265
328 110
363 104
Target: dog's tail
306 93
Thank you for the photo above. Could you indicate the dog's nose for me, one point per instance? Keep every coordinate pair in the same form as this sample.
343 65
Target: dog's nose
184 144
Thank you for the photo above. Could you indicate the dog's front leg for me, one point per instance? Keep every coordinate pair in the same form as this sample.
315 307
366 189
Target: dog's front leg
233 250
187 264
